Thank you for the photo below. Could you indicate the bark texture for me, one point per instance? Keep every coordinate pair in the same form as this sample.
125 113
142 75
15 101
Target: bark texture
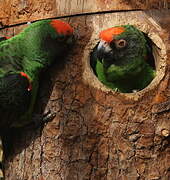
19 11
98 134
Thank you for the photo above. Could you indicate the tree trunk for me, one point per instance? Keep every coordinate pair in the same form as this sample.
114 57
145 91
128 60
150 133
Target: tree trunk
19 11
98 134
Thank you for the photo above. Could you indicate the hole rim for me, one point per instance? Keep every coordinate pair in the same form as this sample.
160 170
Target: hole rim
160 60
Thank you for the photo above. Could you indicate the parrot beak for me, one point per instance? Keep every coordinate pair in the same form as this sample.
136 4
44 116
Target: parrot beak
103 50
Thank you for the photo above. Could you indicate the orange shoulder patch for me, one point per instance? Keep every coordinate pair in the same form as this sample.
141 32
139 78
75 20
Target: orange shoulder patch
61 27
108 34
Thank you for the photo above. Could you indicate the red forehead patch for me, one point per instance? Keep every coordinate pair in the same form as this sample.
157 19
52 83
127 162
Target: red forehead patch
61 27
25 75
7 37
108 34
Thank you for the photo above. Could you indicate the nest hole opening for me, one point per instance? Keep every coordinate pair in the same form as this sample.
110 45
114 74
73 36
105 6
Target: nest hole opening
152 60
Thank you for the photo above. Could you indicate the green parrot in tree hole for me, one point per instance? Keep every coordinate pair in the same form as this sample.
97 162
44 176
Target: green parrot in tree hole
123 59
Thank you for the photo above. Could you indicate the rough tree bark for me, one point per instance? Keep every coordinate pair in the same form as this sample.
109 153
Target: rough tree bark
18 11
98 134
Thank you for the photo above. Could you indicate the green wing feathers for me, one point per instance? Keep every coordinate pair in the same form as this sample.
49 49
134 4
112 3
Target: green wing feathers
22 59
30 52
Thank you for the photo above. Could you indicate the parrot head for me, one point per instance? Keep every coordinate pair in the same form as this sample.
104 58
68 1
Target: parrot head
50 37
64 31
15 91
61 38
119 45
123 59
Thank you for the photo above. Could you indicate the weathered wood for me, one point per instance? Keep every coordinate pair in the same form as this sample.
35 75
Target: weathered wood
99 134
17 11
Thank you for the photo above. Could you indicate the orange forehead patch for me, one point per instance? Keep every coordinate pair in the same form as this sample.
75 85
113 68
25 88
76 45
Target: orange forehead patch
108 34
7 37
61 27
25 75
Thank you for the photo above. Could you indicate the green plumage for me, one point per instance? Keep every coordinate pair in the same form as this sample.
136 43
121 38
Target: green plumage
125 69
22 59
31 51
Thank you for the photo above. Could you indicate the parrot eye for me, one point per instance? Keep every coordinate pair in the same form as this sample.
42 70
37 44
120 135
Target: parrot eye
121 43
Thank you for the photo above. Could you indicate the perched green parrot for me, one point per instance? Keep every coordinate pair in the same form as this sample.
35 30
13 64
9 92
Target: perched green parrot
123 60
22 59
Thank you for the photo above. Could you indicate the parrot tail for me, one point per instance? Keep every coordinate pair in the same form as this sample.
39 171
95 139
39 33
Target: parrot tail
1 160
